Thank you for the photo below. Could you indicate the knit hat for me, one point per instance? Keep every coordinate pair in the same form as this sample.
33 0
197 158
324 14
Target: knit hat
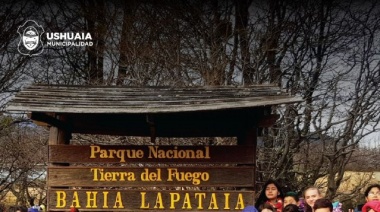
250 209
375 205
291 193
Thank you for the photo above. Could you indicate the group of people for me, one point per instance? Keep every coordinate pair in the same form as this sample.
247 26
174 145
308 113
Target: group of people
34 209
25 209
272 199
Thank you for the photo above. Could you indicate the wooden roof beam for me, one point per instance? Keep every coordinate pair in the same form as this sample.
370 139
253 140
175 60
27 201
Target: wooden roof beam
51 119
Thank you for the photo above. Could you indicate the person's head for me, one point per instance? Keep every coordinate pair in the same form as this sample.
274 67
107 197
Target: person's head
18 209
291 198
291 208
23 209
73 209
311 194
267 208
372 193
250 208
12 209
271 192
323 205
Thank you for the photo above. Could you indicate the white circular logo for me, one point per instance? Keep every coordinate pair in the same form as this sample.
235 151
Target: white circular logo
30 38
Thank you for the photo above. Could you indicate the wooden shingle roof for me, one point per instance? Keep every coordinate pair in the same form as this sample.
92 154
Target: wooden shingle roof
152 111
134 100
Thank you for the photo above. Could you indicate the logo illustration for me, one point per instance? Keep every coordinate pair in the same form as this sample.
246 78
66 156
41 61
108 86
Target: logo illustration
30 38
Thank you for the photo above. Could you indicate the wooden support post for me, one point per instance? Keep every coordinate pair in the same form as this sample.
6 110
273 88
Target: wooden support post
58 136
249 138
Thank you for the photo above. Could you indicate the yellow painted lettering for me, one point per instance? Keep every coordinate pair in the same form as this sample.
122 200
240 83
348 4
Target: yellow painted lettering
200 197
195 177
105 199
91 199
75 202
226 201
171 173
240 202
174 198
159 204
111 153
121 155
169 154
131 176
207 155
103 153
161 154
186 202
101 175
143 205
151 176
108 176
145 175
213 202
118 201
139 154
153 151
95 174
159 175
188 176
94 150
61 199
175 153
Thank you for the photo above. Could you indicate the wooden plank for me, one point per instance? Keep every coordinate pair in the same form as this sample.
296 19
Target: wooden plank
151 176
150 92
90 107
73 107
149 200
150 154
92 99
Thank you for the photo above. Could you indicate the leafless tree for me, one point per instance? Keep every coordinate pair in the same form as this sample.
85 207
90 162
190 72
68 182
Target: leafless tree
13 64
23 160
333 64
325 51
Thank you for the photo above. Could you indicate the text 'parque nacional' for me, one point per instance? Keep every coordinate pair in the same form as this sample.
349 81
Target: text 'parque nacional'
153 152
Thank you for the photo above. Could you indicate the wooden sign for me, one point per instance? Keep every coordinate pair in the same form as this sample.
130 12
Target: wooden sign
170 178
151 176
151 154
148 200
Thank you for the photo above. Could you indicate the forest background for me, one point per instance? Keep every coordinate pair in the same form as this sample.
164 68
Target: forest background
325 51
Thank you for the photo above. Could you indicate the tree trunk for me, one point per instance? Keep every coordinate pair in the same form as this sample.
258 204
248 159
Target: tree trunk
126 42
95 52
241 25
